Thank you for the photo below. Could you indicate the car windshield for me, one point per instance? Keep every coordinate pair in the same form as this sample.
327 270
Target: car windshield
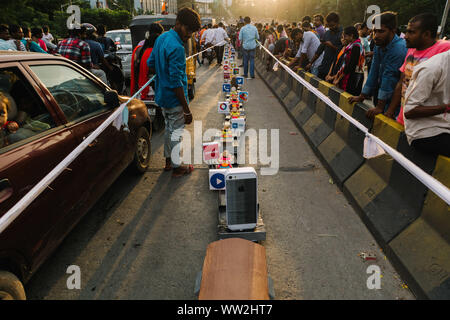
120 37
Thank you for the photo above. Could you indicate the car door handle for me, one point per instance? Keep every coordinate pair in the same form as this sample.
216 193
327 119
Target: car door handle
6 190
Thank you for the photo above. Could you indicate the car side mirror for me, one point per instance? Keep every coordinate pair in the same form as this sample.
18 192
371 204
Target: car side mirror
112 99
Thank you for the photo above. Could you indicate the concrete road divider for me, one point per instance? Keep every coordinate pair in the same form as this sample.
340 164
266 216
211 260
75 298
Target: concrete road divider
342 150
410 222
388 196
321 123
307 106
423 248
286 85
294 96
277 81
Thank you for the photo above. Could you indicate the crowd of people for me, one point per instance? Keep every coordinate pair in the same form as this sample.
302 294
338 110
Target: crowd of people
240 36
405 73
17 38
86 45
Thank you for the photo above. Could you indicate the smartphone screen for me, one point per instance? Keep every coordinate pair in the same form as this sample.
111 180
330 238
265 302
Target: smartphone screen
241 201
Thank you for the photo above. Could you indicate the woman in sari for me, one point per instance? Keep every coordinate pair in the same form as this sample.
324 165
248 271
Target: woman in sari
347 72
139 67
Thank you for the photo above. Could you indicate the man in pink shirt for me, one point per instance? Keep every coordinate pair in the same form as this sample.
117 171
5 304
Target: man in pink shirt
421 40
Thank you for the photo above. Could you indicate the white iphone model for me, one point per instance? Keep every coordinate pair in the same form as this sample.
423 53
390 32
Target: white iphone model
241 190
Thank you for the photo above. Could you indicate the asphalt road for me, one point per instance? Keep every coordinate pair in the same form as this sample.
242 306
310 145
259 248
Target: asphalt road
146 238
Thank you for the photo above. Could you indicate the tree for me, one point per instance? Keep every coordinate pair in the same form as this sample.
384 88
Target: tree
127 5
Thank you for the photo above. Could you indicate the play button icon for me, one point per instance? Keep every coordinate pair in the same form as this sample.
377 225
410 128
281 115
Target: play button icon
217 181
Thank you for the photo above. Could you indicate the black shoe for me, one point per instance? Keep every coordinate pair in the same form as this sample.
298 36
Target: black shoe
241 66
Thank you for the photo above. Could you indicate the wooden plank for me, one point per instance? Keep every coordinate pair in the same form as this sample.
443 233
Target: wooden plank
234 269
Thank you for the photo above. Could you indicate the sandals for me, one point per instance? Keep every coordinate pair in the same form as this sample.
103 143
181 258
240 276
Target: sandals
182 171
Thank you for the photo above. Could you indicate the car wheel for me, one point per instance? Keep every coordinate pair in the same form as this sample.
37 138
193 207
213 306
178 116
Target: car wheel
191 92
10 287
143 151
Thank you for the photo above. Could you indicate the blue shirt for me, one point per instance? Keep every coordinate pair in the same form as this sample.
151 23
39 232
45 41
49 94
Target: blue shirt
96 51
169 60
384 73
330 55
34 47
248 36
5 45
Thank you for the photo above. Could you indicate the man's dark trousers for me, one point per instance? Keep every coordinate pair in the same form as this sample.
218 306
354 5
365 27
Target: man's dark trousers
219 53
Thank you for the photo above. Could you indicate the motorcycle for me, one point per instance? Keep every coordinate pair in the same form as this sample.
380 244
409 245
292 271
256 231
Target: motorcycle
115 76
210 54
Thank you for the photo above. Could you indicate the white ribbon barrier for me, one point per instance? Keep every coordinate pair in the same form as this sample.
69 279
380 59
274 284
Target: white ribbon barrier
23 203
219 44
430 182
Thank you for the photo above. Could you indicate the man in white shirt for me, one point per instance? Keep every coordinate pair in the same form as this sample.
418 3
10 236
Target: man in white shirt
47 36
220 37
208 36
427 106
207 40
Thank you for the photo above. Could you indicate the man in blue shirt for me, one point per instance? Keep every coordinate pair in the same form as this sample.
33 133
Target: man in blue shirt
248 36
168 62
389 55
329 48
4 39
97 54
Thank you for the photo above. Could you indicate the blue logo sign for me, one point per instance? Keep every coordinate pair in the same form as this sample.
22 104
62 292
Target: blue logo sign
226 87
240 80
234 125
218 181
243 96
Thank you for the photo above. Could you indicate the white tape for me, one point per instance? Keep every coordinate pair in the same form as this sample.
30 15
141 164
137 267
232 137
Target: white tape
371 148
430 182
219 44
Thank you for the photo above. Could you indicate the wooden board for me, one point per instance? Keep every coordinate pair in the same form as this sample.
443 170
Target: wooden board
234 269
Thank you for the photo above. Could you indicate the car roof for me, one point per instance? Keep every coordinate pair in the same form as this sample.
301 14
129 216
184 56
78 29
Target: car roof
145 20
6 56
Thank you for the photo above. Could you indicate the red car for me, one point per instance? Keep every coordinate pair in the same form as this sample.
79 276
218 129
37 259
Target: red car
48 106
